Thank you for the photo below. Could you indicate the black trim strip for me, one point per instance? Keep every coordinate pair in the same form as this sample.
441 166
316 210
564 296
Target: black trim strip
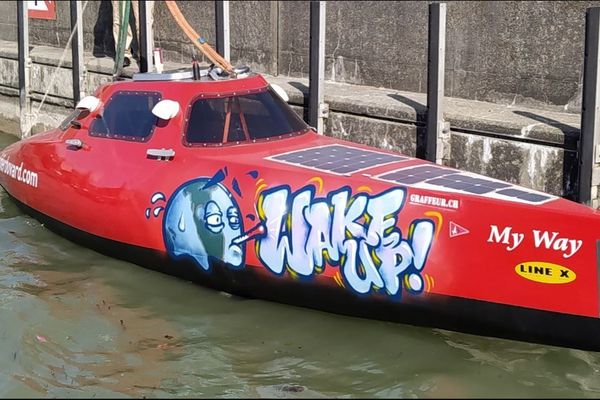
431 310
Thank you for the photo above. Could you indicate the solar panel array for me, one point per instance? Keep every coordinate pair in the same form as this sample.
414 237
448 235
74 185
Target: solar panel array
343 160
440 178
338 159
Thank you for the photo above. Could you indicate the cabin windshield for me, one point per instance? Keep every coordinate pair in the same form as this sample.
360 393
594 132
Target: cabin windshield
127 115
234 119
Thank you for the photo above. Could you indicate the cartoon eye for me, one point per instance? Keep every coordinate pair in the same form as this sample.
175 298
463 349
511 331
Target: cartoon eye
233 218
234 222
214 220
213 217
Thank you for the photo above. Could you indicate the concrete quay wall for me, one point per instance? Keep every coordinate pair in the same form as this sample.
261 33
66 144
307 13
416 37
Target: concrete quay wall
527 53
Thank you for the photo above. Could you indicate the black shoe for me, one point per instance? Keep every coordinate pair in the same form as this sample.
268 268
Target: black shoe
126 62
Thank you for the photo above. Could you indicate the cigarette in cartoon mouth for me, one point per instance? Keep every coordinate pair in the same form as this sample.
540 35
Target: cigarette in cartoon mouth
251 234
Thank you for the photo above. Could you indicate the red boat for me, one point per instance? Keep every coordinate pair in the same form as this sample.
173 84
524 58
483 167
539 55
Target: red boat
218 181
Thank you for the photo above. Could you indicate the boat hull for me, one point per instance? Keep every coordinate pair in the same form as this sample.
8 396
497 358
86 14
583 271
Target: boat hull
435 311
319 222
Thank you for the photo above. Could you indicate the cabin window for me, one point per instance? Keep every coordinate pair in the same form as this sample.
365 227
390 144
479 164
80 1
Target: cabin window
233 119
127 115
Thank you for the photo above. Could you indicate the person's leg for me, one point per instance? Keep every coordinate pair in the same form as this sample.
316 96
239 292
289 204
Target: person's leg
109 40
135 9
135 5
116 21
129 35
101 27
116 28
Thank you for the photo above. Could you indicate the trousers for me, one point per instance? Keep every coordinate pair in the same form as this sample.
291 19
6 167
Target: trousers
136 10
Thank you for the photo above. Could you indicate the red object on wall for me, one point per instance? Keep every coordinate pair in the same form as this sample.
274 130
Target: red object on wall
41 9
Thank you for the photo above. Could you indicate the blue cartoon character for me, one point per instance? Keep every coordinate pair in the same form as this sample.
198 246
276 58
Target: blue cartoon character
202 221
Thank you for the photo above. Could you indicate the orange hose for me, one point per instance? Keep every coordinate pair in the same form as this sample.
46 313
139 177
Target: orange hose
204 47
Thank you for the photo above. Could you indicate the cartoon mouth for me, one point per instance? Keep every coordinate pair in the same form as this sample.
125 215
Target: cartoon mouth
251 234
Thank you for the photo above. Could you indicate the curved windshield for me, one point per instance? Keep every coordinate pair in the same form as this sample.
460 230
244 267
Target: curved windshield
127 115
249 117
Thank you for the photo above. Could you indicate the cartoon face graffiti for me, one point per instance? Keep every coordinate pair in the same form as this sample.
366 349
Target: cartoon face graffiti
202 221
302 234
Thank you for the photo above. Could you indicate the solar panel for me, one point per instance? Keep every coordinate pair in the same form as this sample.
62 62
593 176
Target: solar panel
415 174
468 183
521 194
441 178
337 158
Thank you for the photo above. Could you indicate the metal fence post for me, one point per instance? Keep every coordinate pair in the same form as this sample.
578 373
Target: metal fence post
435 83
589 154
145 38
78 67
222 28
24 68
317 109
274 42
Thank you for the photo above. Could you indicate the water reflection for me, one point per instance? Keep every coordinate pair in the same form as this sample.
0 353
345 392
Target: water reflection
77 323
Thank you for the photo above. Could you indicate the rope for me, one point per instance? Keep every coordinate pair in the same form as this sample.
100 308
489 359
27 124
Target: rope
124 7
198 41
36 114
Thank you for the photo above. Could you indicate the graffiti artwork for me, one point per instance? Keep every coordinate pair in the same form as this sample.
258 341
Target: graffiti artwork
202 221
357 233
301 234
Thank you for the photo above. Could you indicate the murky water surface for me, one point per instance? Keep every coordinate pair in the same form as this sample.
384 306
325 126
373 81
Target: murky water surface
76 323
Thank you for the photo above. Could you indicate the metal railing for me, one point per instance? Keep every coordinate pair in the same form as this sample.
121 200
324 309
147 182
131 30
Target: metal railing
24 67
589 139
77 51
222 28
435 82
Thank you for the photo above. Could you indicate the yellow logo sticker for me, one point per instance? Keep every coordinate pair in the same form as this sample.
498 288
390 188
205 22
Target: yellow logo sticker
545 272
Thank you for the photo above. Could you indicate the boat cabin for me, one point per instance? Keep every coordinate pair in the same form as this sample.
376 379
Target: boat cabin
210 110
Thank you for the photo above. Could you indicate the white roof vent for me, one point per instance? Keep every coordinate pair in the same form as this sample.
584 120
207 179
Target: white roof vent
166 109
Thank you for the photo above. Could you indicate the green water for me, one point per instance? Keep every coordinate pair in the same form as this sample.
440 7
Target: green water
75 323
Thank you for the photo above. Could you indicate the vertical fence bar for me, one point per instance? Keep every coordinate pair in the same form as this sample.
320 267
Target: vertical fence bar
78 69
145 38
316 107
274 44
435 81
590 133
222 28
24 66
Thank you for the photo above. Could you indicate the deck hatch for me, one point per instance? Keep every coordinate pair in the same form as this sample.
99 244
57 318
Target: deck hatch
337 159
